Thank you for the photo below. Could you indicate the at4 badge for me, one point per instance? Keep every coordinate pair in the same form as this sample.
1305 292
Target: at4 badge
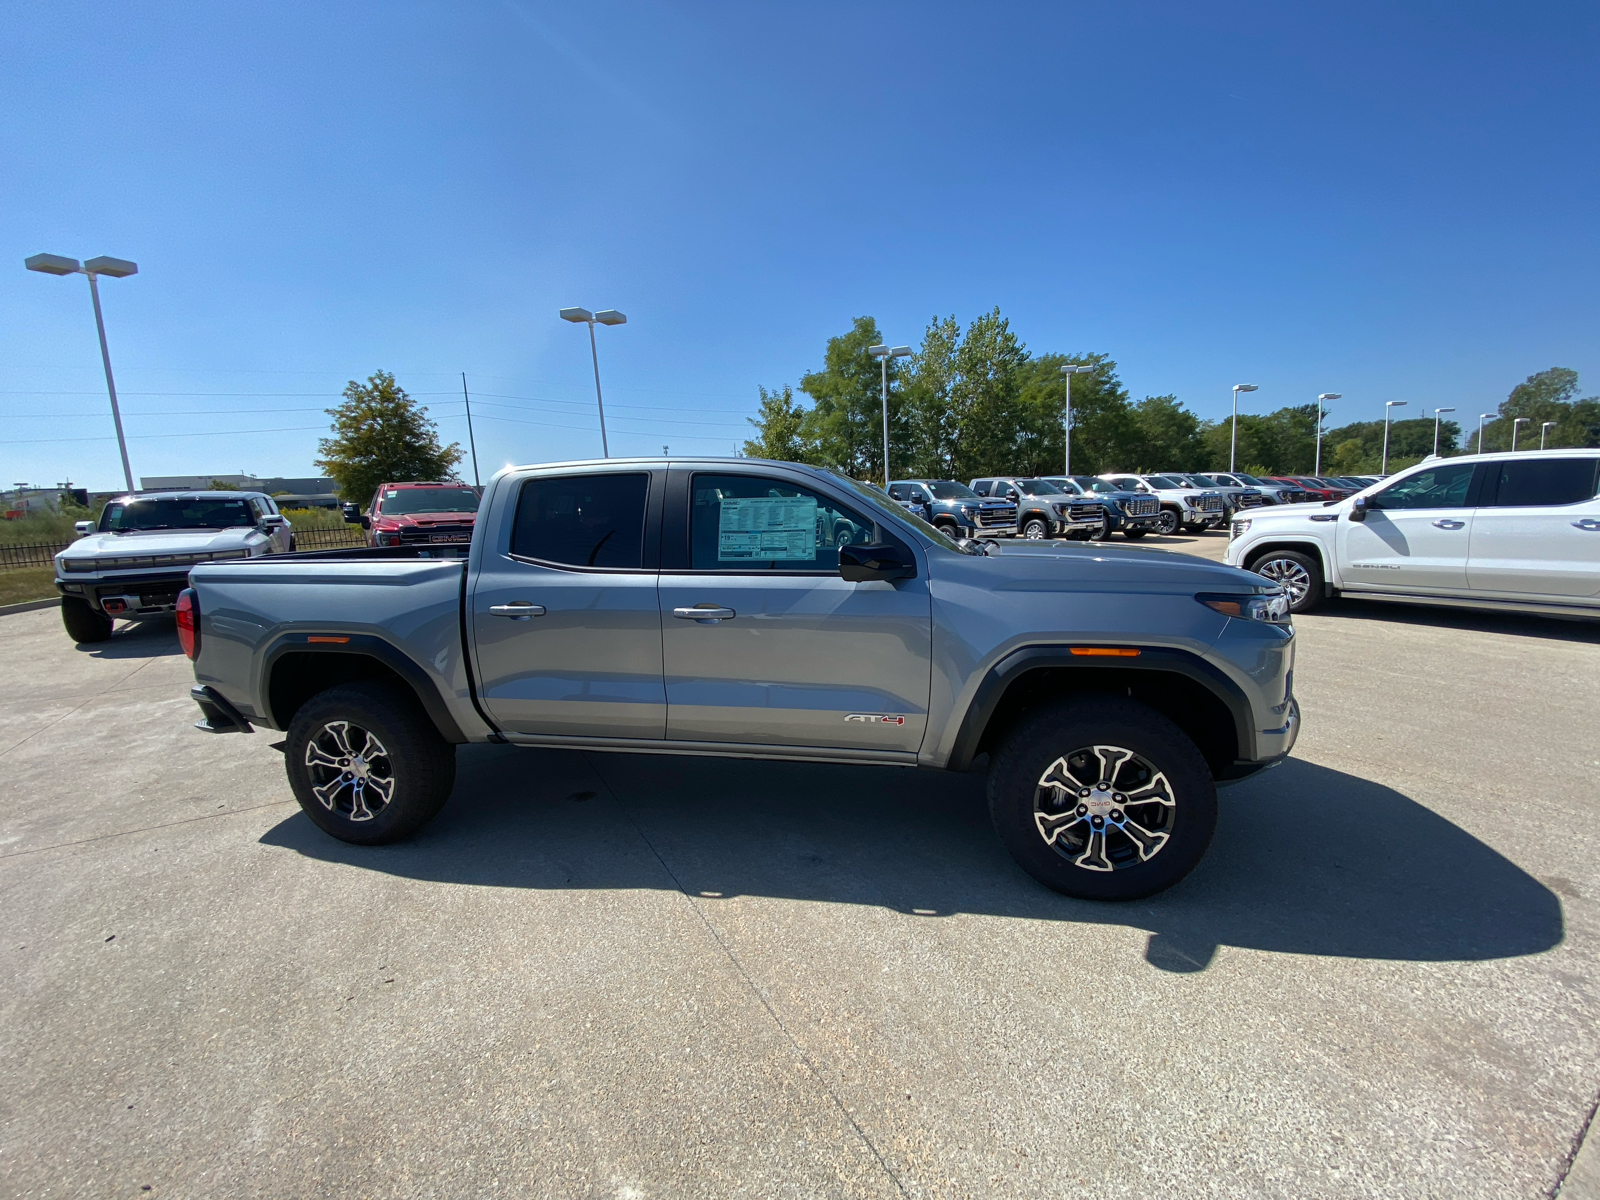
877 718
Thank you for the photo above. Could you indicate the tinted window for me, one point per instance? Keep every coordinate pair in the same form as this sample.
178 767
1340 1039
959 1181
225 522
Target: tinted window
1544 481
1039 487
397 502
1437 487
182 512
582 520
947 489
1162 481
896 492
752 523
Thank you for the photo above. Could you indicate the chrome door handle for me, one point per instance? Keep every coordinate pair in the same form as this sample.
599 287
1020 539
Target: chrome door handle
1588 523
705 614
518 610
1446 523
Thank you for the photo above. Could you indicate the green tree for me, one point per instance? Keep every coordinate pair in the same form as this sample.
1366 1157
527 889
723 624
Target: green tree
985 398
844 427
1170 436
931 428
1550 395
780 425
382 435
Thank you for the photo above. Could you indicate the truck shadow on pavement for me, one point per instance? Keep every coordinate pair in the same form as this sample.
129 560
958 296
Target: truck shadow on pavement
1559 629
1306 860
153 637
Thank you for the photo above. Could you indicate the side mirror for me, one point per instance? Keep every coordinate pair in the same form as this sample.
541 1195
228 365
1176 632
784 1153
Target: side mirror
273 521
877 560
352 513
83 527
1358 510
366 521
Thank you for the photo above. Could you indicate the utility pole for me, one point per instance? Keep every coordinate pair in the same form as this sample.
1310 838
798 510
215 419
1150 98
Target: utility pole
471 441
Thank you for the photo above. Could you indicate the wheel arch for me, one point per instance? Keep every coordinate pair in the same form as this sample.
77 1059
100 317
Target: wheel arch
1309 546
1197 697
295 669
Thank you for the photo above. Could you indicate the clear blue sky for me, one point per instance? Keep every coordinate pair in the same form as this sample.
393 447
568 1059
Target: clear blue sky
1388 201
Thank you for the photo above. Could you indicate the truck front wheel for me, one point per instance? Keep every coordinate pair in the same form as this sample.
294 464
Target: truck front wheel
1103 799
1167 522
1299 574
366 763
84 624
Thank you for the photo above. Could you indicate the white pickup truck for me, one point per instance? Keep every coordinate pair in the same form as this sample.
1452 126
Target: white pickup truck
1507 531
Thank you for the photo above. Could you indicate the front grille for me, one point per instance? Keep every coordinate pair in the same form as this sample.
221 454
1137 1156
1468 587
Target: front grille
1252 501
1296 496
990 517
435 534
1141 506
1084 512
1210 503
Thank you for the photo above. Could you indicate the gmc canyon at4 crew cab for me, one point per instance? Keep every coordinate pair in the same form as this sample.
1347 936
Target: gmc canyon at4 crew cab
707 607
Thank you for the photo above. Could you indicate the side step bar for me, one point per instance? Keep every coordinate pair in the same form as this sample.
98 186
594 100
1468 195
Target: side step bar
220 716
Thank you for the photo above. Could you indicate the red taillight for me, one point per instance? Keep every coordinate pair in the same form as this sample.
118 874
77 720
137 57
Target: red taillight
189 622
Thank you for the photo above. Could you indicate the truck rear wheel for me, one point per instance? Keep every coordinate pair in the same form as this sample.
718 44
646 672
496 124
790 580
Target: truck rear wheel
366 763
84 624
1133 535
1103 799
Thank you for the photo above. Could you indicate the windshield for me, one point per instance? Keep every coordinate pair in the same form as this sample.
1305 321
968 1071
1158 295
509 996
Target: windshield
1163 481
1090 483
879 499
1198 480
403 502
1250 479
1066 485
1039 487
176 512
945 489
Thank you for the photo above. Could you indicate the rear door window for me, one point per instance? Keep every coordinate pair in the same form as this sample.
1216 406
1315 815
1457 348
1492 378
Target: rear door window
1544 481
583 521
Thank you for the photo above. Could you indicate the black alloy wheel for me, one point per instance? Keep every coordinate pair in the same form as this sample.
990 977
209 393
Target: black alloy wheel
1167 522
1102 798
1103 532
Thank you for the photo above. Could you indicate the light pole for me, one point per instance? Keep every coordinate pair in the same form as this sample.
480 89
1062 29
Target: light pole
1388 407
883 354
582 316
1317 470
1515 421
1067 373
1233 441
1436 413
1543 430
1482 417
117 268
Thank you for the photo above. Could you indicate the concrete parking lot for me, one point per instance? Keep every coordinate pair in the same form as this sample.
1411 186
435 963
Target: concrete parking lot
626 976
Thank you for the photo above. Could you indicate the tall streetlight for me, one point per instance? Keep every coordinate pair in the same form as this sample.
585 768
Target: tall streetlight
1482 417
1515 421
883 354
117 268
1545 429
1317 470
1066 414
1233 441
1388 407
1436 413
582 316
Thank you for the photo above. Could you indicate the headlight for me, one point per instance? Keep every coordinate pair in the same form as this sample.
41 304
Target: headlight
1239 527
1190 501
967 510
76 564
1061 510
1272 607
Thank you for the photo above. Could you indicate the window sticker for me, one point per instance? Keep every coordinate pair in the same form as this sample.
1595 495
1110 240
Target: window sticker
768 528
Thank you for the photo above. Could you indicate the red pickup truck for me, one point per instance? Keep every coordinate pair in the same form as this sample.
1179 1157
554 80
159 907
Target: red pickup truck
409 514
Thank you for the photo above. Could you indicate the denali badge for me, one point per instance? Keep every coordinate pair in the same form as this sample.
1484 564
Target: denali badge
877 718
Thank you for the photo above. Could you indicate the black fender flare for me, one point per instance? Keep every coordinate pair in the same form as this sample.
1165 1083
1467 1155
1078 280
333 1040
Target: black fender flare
363 645
1151 658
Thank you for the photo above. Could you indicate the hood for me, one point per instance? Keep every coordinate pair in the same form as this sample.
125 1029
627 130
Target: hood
423 520
1080 566
164 541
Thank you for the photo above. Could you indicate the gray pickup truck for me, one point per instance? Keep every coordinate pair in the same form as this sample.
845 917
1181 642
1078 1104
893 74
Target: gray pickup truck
710 607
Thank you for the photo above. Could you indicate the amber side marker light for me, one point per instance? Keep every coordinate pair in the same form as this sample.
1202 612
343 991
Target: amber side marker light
1105 652
336 640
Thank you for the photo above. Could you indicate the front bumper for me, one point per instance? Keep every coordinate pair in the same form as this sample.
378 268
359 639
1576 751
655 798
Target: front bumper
142 594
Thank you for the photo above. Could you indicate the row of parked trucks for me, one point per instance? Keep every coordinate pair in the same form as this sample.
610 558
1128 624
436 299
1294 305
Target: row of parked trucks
1093 507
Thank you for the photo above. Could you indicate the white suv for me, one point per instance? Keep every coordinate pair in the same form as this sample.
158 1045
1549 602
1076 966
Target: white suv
1507 531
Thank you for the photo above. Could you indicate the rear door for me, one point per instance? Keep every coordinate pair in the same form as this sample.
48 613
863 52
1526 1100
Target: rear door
1537 531
1416 534
787 652
566 627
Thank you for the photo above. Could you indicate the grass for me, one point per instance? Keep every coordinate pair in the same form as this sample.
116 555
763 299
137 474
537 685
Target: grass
316 518
30 583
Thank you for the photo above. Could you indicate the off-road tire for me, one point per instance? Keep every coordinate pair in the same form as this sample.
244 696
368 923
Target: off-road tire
84 624
1167 522
1298 573
1061 729
1133 535
418 761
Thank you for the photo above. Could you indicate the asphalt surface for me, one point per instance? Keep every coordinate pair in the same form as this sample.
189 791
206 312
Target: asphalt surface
625 976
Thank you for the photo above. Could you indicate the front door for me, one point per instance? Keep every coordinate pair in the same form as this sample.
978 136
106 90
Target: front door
1415 536
787 652
1537 532
566 627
